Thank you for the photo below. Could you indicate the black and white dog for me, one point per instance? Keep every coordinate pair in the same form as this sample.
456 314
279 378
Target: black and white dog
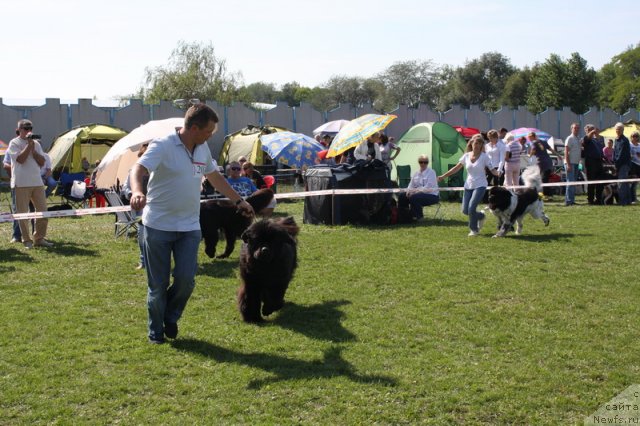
510 207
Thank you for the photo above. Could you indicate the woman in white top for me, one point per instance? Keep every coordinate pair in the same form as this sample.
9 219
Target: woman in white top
369 149
422 190
475 161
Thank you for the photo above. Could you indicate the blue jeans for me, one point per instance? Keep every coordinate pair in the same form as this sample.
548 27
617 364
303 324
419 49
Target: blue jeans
417 202
470 201
50 183
17 234
166 304
624 191
572 176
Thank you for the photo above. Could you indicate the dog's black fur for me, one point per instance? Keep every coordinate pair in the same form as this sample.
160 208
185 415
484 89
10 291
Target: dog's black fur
510 207
216 216
268 259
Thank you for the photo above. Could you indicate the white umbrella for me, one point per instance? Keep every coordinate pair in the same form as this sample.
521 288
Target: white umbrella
331 127
123 154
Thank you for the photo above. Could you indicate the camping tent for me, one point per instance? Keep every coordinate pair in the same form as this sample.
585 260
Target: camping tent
440 142
89 140
630 126
246 142
121 157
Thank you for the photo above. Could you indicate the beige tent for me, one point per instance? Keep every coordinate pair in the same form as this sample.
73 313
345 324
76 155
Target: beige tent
116 164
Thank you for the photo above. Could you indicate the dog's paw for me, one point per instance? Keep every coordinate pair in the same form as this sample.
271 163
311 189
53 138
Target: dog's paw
210 252
546 221
222 256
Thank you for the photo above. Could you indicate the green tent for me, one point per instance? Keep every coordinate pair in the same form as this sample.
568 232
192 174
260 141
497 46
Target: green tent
441 143
91 141
246 142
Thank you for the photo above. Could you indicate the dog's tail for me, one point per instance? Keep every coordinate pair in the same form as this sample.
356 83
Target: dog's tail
531 177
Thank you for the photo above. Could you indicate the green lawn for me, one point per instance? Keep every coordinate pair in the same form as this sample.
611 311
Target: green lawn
390 325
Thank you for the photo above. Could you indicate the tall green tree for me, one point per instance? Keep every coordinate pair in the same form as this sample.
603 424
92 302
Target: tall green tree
515 88
620 81
193 71
480 81
558 83
259 92
413 82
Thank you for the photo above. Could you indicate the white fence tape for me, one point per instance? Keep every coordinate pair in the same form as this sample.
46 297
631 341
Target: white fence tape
8 217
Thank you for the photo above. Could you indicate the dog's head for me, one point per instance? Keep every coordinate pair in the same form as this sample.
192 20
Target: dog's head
265 239
499 198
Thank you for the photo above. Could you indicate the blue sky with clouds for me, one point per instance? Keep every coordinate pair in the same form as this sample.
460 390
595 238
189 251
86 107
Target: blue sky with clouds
83 49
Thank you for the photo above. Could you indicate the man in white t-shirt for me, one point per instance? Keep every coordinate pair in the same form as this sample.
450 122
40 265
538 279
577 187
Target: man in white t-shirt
572 155
27 157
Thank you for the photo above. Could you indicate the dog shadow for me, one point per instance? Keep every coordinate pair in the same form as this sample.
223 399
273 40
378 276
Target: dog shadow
282 368
320 321
219 268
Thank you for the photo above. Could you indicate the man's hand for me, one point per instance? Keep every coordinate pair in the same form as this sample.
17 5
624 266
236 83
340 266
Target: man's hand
246 209
139 200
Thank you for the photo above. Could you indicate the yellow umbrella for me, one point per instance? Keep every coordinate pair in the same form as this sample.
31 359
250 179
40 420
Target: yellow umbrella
629 127
357 131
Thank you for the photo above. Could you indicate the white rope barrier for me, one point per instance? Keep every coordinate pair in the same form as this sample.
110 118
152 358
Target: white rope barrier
9 217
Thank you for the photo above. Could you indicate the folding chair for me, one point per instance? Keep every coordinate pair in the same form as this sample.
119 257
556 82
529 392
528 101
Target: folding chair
64 190
124 220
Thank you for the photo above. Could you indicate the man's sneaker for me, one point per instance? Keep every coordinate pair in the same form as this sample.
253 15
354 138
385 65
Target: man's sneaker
15 240
28 245
171 330
155 341
472 234
43 243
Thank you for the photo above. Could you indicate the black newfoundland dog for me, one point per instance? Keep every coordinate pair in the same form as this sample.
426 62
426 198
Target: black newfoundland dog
510 207
222 215
268 260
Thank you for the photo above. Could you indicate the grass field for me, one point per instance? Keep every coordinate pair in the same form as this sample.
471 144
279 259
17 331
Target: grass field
389 325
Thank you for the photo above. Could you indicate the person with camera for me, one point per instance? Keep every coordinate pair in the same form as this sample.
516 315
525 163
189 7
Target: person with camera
27 157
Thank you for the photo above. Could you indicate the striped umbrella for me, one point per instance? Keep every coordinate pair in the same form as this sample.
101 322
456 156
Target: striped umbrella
524 131
357 131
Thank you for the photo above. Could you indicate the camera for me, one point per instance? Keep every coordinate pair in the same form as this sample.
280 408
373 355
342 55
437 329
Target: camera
34 136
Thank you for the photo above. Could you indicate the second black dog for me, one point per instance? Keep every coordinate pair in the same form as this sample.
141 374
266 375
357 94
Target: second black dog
215 217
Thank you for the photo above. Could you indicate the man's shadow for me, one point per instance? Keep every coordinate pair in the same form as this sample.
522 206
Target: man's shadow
321 321
282 368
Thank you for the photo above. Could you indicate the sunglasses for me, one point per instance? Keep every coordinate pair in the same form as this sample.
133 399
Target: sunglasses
236 168
27 128
423 162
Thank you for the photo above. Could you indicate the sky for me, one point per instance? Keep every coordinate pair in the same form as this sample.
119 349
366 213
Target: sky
71 49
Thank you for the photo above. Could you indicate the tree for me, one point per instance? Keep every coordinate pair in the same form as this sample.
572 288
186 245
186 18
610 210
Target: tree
321 99
412 82
620 81
557 83
515 89
193 71
259 92
288 93
349 90
481 81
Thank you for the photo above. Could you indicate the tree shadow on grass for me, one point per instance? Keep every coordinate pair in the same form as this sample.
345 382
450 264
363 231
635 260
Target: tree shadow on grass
71 249
282 368
12 255
321 321
219 268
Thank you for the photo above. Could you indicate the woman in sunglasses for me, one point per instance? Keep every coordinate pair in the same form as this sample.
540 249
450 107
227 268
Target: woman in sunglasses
422 190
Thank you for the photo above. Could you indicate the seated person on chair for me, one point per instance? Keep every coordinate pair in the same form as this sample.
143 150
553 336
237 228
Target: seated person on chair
249 171
422 190
245 186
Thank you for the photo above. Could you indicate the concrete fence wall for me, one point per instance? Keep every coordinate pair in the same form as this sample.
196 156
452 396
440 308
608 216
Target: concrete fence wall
54 118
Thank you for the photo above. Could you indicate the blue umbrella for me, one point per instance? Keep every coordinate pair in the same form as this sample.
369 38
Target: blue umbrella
291 149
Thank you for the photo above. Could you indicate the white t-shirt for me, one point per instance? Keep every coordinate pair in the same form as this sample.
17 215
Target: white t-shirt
496 154
476 176
173 195
47 164
572 143
25 174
